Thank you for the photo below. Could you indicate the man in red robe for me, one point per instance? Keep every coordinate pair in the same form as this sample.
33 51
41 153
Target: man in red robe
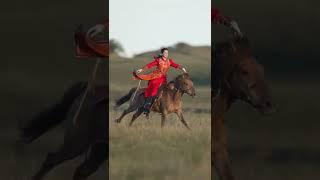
157 77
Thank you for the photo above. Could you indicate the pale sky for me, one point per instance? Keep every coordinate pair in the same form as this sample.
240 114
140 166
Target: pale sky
142 25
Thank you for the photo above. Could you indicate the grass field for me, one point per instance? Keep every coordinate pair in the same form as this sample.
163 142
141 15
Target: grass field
147 152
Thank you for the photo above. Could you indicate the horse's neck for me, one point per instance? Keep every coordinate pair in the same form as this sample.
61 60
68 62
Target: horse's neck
177 94
222 101
174 94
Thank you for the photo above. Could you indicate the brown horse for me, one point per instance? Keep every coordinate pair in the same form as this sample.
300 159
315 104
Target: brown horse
169 100
88 136
236 76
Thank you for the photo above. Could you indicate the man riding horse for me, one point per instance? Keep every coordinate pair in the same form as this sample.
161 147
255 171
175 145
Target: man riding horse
157 77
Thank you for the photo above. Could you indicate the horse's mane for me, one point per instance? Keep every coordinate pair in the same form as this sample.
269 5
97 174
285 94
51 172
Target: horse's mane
222 63
177 78
230 46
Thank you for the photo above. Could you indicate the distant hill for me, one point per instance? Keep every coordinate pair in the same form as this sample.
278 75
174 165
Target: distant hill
196 59
180 48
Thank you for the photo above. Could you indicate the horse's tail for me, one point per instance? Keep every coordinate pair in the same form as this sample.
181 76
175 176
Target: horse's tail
52 116
125 98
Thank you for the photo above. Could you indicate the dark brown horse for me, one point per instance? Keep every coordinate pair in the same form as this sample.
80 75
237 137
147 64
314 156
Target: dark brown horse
236 76
88 135
169 101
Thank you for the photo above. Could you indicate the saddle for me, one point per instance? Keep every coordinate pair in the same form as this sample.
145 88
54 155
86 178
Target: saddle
169 85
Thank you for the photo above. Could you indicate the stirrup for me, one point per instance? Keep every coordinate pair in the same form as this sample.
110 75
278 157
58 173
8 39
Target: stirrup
146 111
146 108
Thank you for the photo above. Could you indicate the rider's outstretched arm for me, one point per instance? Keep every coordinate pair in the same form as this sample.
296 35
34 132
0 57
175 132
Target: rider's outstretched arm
173 64
177 66
148 66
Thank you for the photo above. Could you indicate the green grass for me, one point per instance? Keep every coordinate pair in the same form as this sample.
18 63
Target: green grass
147 152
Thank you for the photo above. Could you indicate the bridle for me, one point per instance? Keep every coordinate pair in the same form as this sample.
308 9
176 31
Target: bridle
226 86
181 90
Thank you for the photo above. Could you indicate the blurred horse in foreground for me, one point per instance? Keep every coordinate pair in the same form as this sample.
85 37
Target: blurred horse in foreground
236 75
87 135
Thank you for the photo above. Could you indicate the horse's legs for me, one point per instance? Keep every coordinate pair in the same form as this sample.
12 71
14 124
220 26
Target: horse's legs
163 114
220 155
130 109
54 159
220 158
136 115
125 112
98 154
163 119
180 116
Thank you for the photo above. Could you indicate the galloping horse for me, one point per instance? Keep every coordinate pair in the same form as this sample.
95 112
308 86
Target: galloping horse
237 76
169 101
88 135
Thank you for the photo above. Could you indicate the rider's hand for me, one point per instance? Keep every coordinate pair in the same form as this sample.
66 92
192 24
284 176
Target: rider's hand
139 71
93 31
184 70
235 28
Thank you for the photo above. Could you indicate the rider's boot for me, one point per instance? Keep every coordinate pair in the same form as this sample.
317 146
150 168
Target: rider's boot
148 103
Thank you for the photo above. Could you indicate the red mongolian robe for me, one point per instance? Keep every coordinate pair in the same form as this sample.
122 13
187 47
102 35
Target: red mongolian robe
158 76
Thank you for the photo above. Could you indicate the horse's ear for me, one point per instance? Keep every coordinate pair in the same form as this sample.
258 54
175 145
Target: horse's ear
185 75
244 41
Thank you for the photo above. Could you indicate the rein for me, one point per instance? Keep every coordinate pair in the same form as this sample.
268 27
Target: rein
182 90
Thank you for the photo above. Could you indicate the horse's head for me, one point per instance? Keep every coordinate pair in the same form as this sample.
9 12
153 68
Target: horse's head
243 76
184 84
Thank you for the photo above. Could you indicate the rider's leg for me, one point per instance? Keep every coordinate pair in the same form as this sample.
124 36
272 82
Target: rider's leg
148 96
147 104
151 93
